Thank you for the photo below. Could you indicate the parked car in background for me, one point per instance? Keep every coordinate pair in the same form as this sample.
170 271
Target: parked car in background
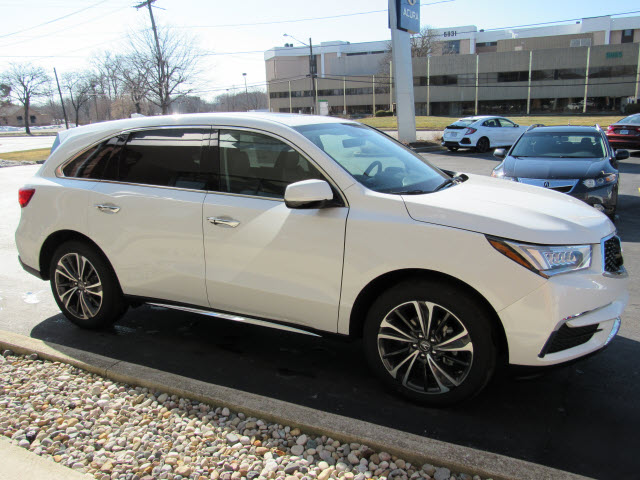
568 159
319 225
625 133
481 133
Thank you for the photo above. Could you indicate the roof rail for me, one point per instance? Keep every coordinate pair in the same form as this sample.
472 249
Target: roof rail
598 127
535 125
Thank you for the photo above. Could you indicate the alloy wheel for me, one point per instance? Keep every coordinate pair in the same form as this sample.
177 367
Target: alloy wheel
78 285
425 347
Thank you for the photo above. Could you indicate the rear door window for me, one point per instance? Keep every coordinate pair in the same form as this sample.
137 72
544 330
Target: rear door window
167 157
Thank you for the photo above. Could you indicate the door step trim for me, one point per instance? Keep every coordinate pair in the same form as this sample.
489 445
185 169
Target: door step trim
235 318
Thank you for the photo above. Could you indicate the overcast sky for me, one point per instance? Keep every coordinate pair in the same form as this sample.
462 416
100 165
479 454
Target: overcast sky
30 30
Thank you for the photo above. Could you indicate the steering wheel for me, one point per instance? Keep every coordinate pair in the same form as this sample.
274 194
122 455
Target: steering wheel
373 165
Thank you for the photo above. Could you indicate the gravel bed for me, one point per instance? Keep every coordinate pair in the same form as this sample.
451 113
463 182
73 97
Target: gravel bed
115 431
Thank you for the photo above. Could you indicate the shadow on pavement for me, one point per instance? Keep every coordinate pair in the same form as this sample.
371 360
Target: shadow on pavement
581 418
628 223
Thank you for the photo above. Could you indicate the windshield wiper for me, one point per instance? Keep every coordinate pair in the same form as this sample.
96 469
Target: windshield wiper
409 192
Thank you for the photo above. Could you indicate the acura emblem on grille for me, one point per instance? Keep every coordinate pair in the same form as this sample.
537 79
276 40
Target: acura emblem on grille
546 184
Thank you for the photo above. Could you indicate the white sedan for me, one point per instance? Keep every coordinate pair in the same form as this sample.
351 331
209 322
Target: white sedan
481 133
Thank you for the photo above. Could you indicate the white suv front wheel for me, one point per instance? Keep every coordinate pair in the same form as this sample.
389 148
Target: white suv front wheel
430 341
84 286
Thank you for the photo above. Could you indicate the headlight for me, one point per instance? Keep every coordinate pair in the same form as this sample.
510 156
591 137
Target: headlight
498 172
599 182
545 260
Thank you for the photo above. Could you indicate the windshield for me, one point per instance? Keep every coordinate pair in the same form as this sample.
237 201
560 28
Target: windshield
374 159
559 145
631 119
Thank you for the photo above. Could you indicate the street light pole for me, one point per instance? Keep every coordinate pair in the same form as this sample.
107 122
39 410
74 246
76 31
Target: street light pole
246 91
314 92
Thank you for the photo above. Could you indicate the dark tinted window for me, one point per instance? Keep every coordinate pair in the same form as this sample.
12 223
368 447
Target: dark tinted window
93 162
254 164
163 157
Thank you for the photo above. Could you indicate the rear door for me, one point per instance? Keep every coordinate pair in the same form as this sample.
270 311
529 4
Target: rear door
146 214
264 259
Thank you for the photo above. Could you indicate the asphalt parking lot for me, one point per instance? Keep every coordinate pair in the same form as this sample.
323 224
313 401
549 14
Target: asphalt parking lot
582 418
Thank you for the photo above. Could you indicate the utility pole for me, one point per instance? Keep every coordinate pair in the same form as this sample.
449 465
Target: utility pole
246 91
64 112
162 78
312 69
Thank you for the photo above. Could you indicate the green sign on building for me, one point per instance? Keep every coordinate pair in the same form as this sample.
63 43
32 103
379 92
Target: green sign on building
614 54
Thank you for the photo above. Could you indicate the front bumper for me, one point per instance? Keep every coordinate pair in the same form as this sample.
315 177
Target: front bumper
571 315
607 195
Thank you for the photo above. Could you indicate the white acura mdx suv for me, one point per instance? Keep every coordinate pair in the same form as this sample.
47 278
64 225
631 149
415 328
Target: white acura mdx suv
319 225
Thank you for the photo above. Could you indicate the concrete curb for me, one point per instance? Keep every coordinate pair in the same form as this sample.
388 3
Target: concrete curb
418 450
21 463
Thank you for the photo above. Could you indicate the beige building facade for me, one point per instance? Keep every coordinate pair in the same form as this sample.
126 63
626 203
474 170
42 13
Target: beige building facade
591 66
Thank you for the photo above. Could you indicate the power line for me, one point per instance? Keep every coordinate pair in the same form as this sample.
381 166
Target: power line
70 27
54 20
276 22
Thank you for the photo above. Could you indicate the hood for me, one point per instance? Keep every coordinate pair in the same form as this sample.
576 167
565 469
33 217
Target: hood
555 168
511 210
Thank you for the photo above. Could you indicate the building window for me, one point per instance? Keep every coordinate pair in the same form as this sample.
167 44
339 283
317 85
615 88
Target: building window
521 76
580 42
19 117
486 44
451 47
627 36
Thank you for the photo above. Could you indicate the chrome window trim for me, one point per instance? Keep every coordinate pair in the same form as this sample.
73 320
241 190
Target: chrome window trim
60 174
206 143
622 273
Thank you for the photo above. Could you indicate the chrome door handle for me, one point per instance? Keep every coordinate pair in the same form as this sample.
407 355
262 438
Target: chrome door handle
108 208
224 221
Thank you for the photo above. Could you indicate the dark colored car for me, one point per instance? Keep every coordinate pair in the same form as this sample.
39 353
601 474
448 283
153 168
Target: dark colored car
625 133
574 160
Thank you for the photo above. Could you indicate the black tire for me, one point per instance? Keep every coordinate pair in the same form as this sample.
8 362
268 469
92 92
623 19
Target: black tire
92 299
483 145
453 149
450 307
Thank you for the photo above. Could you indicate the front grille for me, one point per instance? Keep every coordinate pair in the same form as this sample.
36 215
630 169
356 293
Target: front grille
568 337
562 189
612 255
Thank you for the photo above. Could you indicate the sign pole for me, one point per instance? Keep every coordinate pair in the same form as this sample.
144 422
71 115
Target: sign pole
404 14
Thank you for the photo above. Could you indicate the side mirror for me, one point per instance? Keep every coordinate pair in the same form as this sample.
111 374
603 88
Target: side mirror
516 126
308 194
622 154
500 153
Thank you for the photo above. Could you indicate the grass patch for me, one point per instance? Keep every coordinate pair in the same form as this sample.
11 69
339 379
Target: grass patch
27 155
439 123
32 134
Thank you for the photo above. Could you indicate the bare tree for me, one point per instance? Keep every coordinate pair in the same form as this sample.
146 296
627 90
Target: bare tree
423 44
79 86
171 70
133 72
26 83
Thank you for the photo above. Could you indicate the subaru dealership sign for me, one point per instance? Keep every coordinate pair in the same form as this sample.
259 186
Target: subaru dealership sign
408 15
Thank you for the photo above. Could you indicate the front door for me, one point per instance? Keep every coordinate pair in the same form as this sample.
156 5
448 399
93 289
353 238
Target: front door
264 259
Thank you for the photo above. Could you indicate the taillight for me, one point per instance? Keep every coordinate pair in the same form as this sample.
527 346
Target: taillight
24 196
470 131
610 128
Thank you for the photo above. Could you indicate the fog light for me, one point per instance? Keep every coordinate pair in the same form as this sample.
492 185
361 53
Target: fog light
599 207
614 330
